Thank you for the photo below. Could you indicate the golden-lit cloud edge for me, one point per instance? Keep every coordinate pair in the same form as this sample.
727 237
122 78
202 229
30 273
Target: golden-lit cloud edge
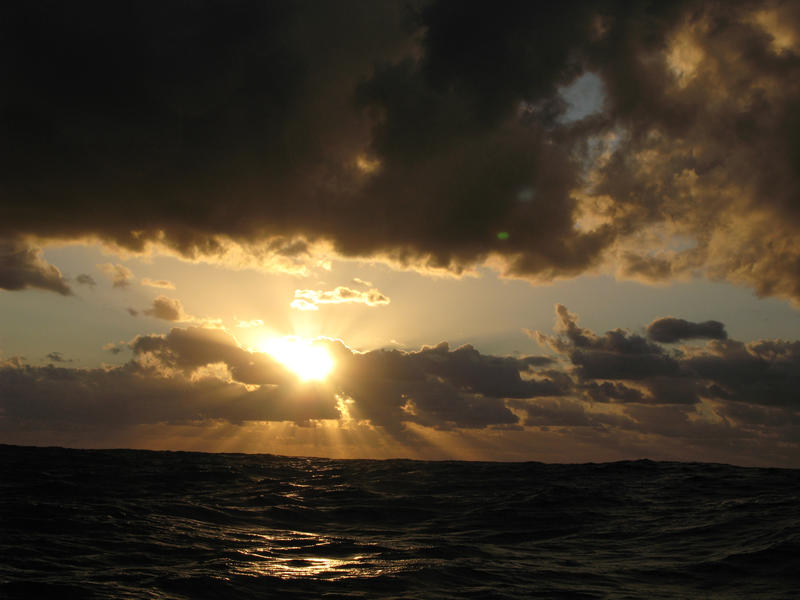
681 390
687 167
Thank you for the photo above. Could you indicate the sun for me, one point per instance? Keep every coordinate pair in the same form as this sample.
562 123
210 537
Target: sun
309 361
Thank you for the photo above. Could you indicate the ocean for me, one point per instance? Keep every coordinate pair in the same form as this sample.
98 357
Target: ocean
143 524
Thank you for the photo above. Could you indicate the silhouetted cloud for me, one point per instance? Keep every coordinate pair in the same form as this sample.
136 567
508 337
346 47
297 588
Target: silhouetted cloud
622 367
128 396
725 397
669 329
58 357
22 266
429 134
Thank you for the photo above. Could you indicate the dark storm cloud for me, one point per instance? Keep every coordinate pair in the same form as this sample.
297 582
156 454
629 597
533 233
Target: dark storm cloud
708 99
414 132
22 266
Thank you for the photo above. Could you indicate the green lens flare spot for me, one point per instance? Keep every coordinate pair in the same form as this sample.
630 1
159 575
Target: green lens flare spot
503 235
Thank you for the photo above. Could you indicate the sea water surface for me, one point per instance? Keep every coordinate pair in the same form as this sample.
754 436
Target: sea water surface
141 524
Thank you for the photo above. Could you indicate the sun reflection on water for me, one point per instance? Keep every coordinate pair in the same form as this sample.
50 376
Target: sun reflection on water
297 555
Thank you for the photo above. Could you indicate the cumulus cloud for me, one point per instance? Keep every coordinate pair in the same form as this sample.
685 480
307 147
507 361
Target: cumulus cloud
622 367
434 386
725 398
168 309
670 329
22 266
311 299
158 283
390 134
127 396
120 275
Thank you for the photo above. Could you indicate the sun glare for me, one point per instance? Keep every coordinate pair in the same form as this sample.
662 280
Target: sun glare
309 361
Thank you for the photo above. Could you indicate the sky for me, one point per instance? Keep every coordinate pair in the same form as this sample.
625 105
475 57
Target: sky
429 229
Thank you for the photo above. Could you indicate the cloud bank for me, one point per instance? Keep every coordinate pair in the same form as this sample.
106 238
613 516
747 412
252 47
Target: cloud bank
616 392
432 135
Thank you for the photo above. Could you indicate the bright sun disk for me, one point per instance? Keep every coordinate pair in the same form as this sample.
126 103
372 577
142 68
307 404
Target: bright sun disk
309 361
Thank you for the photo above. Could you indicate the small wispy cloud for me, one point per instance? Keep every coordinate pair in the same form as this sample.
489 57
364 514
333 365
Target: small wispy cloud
58 357
158 283
114 348
310 299
85 279
252 323
121 276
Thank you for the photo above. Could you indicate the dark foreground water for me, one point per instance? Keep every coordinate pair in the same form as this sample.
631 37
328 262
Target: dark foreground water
135 524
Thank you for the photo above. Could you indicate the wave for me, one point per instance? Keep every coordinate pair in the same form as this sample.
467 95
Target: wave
141 524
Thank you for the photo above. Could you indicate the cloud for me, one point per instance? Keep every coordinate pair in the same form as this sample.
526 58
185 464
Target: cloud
392 135
158 283
311 299
22 267
621 367
168 309
132 312
114 348
725 399
171 309
670 329
251 323
187 350
120 275
126 396
58 357
85 279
